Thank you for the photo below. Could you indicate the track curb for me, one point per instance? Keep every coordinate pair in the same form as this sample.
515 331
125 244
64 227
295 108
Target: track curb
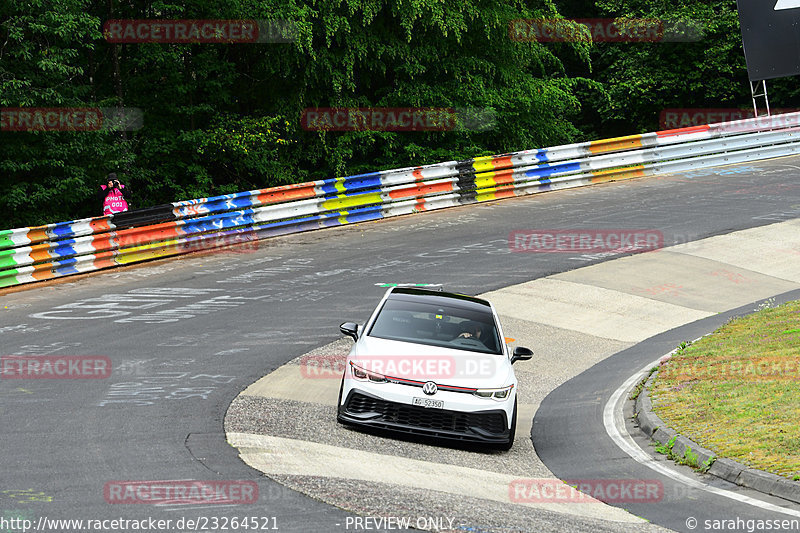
729 470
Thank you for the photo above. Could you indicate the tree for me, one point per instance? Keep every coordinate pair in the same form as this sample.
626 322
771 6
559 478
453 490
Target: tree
700 64
45 49
224 117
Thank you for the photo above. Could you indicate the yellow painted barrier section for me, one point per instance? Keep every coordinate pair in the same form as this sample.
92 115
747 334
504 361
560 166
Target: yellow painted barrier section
344 202
148 251
482 164
496 177
485 180
616 143
486 196
502 190
618 174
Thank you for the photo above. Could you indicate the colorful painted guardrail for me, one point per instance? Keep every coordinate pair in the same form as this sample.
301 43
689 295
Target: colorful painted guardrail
55 250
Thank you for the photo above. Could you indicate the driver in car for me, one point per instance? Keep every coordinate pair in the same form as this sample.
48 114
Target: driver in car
472 330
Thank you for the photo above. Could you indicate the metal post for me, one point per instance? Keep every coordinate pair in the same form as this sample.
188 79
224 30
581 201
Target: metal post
754 87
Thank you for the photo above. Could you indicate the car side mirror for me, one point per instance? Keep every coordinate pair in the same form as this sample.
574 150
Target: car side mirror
521 354
350 329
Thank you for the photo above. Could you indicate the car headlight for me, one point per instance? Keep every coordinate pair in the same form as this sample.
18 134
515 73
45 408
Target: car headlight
360 373
494 394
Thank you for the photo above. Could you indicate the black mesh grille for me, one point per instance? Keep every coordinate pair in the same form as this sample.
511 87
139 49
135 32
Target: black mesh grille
423 418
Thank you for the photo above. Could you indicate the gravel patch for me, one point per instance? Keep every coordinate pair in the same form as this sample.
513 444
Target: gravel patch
317 423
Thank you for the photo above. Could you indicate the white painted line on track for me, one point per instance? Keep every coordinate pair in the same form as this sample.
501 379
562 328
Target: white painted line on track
292 457
614 423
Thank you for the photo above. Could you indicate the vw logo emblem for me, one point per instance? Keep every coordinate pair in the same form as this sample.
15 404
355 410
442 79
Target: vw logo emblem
430 388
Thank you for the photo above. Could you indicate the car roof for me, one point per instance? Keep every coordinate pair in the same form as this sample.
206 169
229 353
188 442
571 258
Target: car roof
439 298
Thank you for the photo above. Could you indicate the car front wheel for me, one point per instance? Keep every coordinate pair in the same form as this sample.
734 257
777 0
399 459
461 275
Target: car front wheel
339 402
512 431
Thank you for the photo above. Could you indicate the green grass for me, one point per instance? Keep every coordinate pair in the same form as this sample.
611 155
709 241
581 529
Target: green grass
637 390
737 391
689 458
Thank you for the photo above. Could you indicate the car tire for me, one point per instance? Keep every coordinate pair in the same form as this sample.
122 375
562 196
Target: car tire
511 432
339 403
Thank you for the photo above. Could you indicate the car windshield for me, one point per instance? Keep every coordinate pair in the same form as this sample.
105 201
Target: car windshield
437 325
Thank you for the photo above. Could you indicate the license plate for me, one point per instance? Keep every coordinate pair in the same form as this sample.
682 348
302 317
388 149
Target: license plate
427 402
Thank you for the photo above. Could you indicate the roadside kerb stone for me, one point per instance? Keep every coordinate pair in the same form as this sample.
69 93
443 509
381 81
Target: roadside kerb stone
756 479
729 470
726 469
643 408
786 489
684 446
648 420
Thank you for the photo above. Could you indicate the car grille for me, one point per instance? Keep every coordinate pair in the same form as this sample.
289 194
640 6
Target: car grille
428 419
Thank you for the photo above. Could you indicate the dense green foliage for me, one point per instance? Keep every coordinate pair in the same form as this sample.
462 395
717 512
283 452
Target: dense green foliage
220 118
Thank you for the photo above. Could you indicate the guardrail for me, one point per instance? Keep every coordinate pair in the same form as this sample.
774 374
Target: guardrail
55 250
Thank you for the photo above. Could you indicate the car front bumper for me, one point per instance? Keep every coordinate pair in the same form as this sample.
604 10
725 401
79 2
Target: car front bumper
364 409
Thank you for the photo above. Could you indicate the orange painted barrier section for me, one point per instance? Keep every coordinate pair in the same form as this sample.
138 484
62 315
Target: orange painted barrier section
616 144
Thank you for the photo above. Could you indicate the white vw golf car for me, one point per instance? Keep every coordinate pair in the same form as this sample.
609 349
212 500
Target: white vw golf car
432 363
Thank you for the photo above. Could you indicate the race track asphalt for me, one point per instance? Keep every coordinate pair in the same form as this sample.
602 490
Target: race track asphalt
186 336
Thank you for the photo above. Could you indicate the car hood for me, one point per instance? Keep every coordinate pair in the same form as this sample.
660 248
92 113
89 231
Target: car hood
420 362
